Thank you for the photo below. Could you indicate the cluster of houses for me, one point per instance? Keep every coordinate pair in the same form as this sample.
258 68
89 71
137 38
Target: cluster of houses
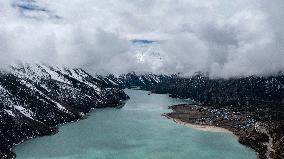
238 120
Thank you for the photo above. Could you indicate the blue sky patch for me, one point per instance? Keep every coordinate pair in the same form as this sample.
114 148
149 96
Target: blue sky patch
143 41
31 6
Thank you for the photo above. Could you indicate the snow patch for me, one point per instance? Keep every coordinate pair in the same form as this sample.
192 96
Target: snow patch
9 112
24 111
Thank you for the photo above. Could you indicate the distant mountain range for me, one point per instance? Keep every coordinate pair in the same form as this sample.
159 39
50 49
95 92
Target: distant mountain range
35 98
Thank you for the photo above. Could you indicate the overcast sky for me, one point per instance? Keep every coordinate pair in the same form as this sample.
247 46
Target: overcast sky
223 37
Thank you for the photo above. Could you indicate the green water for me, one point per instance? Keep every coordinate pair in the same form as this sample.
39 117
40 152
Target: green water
137 131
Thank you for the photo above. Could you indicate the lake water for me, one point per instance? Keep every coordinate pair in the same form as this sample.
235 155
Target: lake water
136 131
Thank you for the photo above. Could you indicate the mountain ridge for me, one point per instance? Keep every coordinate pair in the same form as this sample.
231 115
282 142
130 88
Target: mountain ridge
36 98
260 96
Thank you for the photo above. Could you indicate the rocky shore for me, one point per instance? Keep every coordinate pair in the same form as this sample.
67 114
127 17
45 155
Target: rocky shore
243 124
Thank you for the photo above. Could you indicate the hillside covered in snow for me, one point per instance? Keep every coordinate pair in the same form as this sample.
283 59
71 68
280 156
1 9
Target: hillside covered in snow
35 98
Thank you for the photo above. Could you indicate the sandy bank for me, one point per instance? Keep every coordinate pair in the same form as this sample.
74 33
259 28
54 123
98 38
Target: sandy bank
201 127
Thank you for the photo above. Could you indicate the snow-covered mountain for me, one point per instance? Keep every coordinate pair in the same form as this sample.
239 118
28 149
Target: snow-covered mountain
148 53
35 98
144 81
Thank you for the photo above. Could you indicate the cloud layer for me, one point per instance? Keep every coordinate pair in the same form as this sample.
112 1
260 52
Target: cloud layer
224 38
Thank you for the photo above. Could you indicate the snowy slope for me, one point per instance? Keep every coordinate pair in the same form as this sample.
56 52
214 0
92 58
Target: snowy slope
35 98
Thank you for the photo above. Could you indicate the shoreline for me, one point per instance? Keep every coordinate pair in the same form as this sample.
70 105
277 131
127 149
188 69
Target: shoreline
57 127
251 137
206 128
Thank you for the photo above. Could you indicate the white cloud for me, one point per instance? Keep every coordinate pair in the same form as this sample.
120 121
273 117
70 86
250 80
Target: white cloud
224 38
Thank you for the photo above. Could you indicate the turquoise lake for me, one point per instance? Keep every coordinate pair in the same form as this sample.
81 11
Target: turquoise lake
136 131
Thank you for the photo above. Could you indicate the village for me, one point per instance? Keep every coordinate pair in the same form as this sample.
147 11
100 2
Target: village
243 124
